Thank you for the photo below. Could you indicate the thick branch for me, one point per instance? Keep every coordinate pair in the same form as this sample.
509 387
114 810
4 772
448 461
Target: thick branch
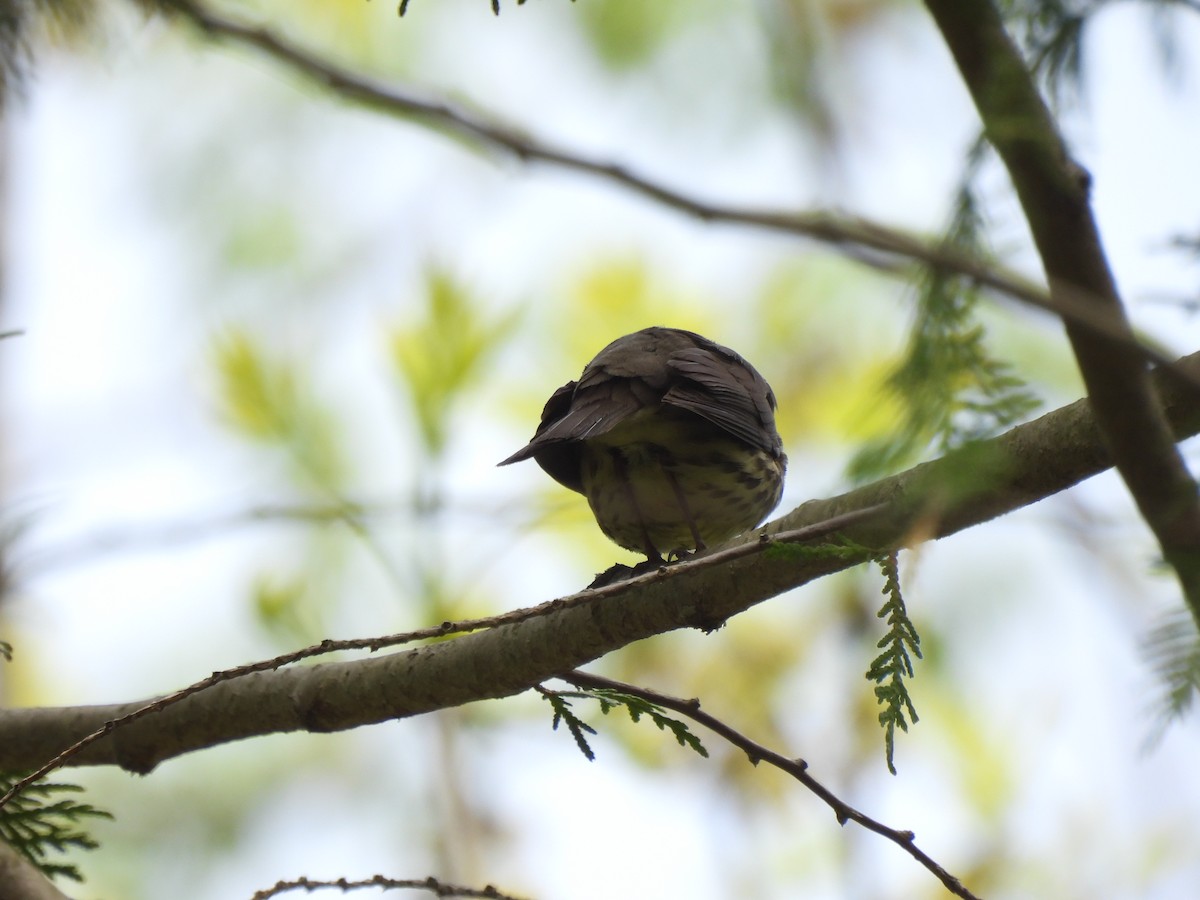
1022 466
20 880
1054 194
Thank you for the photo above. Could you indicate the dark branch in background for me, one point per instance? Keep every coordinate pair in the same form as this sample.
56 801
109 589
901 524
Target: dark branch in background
797 768
44 823
1054 194
870 243
158 535
435 887
1024 465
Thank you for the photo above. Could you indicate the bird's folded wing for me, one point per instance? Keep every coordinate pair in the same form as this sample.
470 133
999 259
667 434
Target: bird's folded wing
578 411
726 393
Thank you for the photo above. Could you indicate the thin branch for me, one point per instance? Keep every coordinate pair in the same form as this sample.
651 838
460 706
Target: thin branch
157 535
1054 192
871 243
433 885
797 768
161 534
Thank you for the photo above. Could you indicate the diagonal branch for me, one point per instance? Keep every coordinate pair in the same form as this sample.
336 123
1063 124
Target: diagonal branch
21 880
797 768
1054 194
805 533
876 245
1024 465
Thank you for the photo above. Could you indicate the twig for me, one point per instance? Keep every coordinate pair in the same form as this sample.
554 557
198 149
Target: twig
797 768
433 885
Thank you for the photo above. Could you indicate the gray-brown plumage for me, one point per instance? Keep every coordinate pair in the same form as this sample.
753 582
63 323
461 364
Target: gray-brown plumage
670 436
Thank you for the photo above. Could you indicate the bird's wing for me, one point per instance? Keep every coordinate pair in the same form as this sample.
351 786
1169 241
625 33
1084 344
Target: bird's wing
575 412
629 375
723 388
635 374
558 404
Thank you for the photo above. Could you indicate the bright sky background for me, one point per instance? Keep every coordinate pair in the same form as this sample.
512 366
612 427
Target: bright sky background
111 422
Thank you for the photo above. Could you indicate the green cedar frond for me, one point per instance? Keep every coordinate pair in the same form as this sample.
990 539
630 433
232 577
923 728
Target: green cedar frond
610 699
1052 35
638 707
894 664
952 390
34 823
562 713
1173 650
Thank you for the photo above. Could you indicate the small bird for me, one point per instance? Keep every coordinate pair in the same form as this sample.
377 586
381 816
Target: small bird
672 439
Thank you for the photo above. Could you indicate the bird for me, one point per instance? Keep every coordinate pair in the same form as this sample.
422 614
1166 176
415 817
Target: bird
671 437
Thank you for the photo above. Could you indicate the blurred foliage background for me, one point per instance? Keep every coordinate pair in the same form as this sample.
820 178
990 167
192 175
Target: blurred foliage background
275 344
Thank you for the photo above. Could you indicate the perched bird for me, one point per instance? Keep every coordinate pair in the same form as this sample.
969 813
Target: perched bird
670 436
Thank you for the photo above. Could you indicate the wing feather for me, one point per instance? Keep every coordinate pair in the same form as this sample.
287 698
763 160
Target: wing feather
641 372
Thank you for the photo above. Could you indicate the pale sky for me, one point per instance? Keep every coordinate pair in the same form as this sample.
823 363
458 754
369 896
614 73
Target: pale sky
111 422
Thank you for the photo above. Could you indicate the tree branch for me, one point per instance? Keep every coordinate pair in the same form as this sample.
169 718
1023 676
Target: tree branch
1054 194
1024 465
797 768
20 879
345 885
374 644
871 243
445 629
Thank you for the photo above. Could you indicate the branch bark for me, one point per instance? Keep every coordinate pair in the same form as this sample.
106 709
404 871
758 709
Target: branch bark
19 880
1054 194
1024 465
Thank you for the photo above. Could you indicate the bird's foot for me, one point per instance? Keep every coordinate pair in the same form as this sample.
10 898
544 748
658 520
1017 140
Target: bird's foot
622 572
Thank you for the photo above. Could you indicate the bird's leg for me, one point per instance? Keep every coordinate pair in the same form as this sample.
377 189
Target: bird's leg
621 465
683 507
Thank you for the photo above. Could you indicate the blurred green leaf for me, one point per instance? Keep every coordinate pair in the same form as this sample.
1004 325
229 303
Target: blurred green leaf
445 353
952 389
286 606
263 237
39 821
626 33
1053 35
1173 650
268 401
